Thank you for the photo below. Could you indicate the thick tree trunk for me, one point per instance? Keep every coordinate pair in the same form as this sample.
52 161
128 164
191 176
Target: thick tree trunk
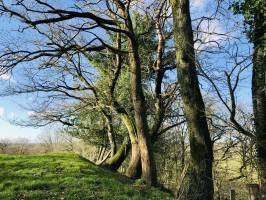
259 96
201 183
147 159
259 107
134 170
138 100
134 167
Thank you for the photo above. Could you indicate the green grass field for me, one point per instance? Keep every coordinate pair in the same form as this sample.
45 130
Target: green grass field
65 176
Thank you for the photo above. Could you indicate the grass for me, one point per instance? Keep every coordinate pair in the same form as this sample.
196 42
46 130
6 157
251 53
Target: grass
65 177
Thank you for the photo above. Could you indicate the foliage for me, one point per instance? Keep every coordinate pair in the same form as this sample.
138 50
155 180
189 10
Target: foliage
252 10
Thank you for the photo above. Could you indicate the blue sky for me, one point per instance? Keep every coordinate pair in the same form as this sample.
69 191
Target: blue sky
10 108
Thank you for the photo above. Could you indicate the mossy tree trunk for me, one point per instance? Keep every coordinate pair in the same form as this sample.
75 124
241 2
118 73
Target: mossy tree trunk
134 170
118 158
201 180
134 167
110 133
147 160
148 168
259 93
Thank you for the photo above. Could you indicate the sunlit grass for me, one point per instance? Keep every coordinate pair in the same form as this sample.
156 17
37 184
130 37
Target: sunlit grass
65 176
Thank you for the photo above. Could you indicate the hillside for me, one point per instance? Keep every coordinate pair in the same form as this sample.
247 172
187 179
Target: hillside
65 176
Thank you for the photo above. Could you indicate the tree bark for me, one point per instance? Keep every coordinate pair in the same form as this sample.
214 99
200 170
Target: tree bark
201 180
134 168
159 75
147 159
138 100
118 158
102 154
259 95
133 171
148 168
110 134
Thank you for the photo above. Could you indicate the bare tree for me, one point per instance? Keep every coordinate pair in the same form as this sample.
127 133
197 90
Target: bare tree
49 140
4 144
21 145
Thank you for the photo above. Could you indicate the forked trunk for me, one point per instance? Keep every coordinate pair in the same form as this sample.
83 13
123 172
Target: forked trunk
146 154
134 170
138 102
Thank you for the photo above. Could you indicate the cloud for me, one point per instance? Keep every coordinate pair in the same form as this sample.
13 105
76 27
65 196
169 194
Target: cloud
211 33
2 112
12 115
31 113
197 3
5 77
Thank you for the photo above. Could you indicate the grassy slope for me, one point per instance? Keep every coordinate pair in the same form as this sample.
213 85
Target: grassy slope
65 176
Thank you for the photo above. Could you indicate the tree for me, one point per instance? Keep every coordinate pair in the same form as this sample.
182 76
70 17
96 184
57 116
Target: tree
65 39
21 145
255 21
4 144
201 183
49 140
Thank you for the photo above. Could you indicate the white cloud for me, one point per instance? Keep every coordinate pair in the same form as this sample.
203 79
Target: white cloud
12 115
211 33
5 77
31 113
197 3
2 111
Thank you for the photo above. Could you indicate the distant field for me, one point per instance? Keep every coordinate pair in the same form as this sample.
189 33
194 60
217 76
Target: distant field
65 176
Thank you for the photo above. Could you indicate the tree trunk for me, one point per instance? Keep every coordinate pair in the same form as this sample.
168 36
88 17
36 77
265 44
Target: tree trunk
116 160
201 181
134 167
259 96
133 170
183 153
110 134
102 153
144 143
253 192
99 153
138 100
159 75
